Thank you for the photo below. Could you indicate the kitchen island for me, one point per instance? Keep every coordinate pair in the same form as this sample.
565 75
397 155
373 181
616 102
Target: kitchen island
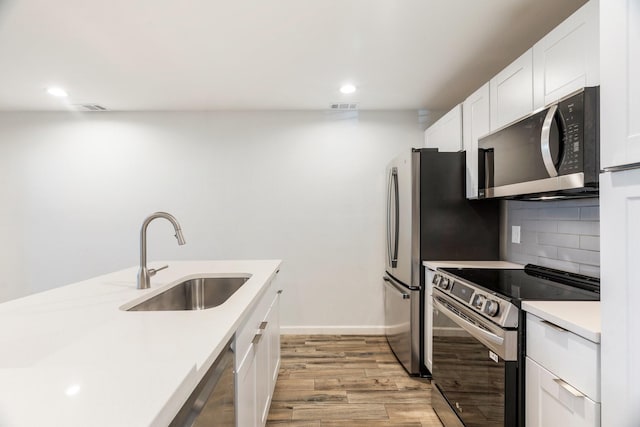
73 356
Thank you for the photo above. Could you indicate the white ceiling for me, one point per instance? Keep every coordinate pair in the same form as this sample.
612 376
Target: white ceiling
261 54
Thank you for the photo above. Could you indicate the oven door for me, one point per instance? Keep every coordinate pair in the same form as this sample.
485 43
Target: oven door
474 367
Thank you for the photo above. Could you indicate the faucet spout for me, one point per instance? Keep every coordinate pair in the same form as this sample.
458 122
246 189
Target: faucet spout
144 274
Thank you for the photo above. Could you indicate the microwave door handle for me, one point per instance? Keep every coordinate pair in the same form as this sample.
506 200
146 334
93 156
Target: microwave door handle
545 147
396 237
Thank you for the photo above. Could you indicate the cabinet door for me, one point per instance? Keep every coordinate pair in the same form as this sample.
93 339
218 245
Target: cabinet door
274 341
552 402
446 133
475 124
511 92
620 273
268 359
567 59
246 403
620 85
263 375
431 136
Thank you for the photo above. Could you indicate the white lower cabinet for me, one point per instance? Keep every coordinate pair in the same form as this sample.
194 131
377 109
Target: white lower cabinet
268 360
258 361
562 376
246 391
553 402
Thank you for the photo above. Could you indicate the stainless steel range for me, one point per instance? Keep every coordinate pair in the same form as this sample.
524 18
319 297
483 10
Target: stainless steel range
478 343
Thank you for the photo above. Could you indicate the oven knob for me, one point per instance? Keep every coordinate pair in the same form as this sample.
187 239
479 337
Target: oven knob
478 300
444 284
436 279
492 308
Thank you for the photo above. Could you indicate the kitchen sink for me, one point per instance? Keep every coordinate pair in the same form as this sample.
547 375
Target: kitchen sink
194 294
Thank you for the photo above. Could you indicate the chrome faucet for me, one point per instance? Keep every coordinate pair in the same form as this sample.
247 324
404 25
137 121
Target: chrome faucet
145 274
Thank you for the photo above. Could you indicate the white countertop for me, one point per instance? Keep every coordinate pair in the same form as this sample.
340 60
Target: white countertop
580 317
70 356
433 265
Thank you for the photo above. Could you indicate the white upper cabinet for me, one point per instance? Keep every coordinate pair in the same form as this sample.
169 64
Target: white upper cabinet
620 86
475 124
446 133
567 59
511 91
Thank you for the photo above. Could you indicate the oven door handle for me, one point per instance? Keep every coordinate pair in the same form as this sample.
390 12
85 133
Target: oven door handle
470 327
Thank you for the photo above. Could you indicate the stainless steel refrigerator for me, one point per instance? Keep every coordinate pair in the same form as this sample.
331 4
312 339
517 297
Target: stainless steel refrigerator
428 219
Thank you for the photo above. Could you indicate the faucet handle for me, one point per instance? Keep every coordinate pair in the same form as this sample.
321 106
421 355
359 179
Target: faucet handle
153 271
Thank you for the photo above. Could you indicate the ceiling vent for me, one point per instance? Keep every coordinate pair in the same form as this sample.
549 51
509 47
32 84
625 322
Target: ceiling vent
344 106
90 107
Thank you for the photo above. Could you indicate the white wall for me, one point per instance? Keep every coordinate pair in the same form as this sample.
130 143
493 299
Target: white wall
305 187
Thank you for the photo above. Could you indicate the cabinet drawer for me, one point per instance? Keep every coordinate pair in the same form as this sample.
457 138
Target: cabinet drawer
250 327
553 402
568 356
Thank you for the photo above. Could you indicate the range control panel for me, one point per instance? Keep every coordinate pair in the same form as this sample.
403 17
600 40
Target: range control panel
489 305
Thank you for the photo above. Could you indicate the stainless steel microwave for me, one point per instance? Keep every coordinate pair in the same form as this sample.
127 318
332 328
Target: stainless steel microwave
552 153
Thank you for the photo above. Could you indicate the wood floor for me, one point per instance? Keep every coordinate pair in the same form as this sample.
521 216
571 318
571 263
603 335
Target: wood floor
347 380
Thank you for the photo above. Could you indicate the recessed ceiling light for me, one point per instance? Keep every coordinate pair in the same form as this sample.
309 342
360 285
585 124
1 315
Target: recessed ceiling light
72 390
347 89
57 91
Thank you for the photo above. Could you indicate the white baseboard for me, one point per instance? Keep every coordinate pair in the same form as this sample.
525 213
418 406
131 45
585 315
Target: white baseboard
332 330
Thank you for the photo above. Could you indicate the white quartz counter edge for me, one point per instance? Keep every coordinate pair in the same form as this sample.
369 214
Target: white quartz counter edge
580 317
73 354
434 265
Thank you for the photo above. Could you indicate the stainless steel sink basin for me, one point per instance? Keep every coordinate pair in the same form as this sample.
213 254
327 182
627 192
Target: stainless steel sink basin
194 294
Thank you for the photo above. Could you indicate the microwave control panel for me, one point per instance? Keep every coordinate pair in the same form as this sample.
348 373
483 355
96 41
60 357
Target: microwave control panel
571 116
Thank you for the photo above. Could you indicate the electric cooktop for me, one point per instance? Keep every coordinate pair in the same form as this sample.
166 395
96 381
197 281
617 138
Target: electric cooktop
531 283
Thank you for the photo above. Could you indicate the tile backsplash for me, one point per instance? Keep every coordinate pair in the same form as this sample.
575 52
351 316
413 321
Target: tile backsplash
560 234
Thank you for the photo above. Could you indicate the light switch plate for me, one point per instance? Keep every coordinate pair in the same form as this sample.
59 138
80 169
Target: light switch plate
515 234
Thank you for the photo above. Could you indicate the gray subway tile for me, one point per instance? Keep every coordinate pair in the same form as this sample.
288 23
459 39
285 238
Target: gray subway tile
590 270
592 201
522 258
521 214
579 256
540 250
519 204
515 248
590 228
528 237
557 239
591 243
590 213
560 213
540 226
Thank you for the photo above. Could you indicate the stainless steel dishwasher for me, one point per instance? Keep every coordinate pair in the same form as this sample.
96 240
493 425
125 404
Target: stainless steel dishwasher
212 403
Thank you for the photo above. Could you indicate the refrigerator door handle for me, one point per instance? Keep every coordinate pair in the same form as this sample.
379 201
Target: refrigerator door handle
394 258
389 237
398 289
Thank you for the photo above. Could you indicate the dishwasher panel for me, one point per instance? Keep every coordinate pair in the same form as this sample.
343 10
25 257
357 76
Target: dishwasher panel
213 400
